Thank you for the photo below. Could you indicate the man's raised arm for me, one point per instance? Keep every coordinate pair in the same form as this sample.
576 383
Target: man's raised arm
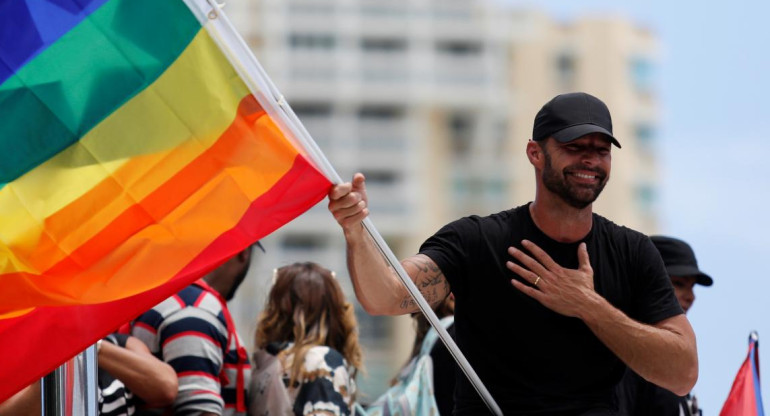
377 286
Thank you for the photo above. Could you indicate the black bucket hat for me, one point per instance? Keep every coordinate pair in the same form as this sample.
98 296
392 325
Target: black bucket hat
680 259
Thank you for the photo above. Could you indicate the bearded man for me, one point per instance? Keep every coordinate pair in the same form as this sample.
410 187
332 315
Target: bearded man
553 302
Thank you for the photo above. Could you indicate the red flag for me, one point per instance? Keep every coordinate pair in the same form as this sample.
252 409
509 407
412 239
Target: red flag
745 398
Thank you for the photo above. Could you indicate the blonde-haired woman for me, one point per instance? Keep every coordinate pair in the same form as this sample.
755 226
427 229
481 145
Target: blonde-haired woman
308 353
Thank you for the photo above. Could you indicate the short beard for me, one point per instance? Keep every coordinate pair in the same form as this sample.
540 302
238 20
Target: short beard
576 197
237 282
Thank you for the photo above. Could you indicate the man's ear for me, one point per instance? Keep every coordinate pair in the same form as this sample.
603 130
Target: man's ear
535 154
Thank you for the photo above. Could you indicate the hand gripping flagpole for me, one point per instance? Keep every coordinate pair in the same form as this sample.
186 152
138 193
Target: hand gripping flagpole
240 56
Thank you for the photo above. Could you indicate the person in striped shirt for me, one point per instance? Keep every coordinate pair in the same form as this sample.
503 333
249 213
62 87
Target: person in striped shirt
194 332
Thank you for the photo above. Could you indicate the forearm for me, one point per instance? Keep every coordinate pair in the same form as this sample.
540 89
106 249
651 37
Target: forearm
376 284
26 402
664 354
152 380
378 287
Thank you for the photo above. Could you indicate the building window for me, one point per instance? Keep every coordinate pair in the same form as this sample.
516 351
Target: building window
311 9
495 189
376 8
500 136
381 127
566 69
380 112
380 177
646 197
460 126
312 110
645 136
383 45
448 13
478 189
642 74
459 48
303 242
317 119
311 41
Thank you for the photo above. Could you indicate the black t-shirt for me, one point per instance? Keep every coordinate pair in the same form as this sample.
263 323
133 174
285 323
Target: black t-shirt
639 397
444 371
531 359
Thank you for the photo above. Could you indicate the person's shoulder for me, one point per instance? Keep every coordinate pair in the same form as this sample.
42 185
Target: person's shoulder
192 309
160 312
194 299
189 295
626 242
616 231
495 219
179 300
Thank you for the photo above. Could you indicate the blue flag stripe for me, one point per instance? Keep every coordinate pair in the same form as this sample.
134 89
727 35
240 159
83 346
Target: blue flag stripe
28 27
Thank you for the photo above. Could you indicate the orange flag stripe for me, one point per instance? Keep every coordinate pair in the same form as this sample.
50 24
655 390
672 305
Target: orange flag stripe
214 190
76 326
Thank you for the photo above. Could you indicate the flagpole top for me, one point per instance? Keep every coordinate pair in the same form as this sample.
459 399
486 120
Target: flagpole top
753 336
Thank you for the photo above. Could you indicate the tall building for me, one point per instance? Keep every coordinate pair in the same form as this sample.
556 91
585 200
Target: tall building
434 100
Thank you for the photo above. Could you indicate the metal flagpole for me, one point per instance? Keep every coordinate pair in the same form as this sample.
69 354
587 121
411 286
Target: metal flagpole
52 392
264 90
71 389
90 380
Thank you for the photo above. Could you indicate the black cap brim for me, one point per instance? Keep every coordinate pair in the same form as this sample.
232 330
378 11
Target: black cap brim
577 131
684 270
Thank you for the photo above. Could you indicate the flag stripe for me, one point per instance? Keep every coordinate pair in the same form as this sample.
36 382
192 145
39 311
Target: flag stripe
56 99
154 238
29 27
104 168
75 326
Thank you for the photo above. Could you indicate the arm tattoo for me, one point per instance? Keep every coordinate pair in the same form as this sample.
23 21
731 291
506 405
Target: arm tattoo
430 281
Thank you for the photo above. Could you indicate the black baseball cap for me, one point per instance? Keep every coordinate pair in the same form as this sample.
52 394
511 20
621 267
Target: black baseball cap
680 259
570 116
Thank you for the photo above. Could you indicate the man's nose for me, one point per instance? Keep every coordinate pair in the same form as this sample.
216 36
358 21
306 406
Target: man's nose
590 158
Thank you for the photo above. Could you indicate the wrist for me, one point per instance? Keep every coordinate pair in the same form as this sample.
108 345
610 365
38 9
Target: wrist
593 308
355 232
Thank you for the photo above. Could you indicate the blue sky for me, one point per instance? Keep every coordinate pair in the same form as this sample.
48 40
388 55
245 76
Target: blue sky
715 97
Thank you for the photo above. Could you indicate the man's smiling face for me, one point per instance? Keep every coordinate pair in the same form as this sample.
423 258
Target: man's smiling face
577 171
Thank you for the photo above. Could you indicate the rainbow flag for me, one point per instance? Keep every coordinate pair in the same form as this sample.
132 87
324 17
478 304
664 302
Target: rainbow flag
745 398
134 159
